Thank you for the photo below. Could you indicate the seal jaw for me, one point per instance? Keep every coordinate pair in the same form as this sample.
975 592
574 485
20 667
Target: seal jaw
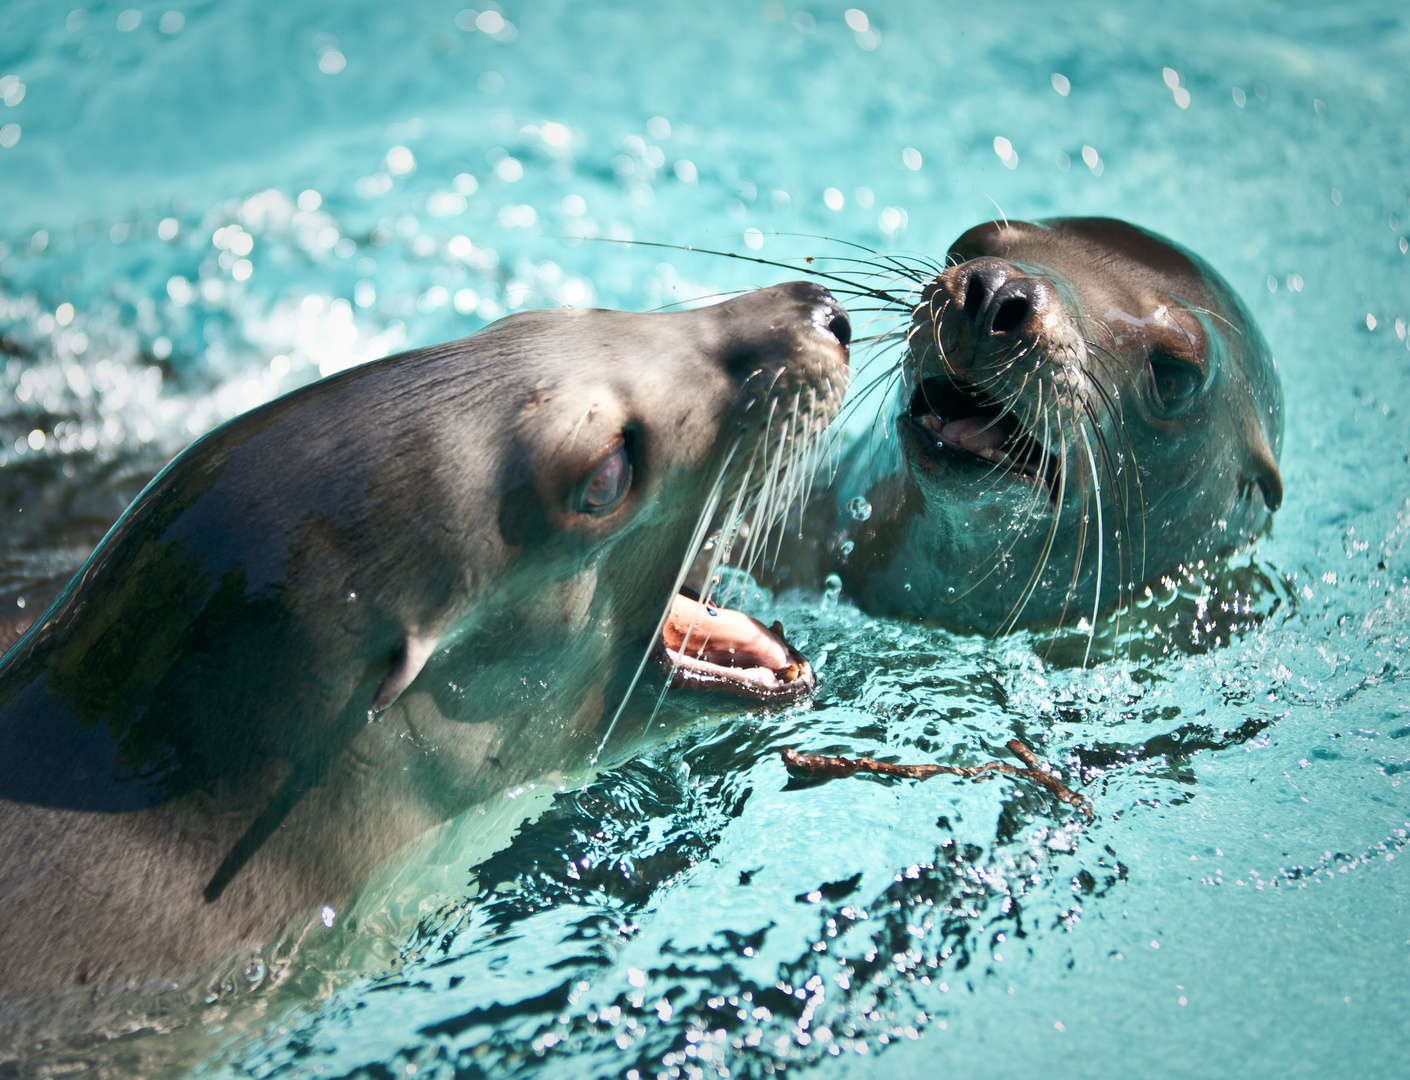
951 419
705 647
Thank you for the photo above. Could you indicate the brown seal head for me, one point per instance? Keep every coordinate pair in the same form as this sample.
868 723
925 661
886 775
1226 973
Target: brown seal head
351 614
1085 405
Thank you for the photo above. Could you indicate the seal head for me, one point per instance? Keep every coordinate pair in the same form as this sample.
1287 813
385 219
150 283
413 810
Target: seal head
1085 405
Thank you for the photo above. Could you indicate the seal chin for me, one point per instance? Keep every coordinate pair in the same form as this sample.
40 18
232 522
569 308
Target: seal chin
954 421
704 647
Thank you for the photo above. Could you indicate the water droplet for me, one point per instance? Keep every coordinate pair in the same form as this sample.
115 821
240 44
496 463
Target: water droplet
254 970
859 508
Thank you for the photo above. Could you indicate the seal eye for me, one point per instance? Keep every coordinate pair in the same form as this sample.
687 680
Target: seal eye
1175 381
607 486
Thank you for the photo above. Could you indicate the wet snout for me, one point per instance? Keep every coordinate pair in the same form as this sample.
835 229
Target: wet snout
993 299
796 332
815 306
982 332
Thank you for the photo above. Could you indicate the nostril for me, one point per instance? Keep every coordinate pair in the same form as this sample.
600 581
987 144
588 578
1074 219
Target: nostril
840 327
976 292
1011 315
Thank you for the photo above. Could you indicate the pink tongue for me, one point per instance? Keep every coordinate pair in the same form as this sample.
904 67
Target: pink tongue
722 636
975 434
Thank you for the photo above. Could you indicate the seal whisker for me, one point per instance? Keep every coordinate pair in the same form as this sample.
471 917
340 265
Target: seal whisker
697 539
1120 493
1029 510
788 486
1040 565
823 275
923 270
1090 495
1217 315
765 492
1097 499
678 305
831 447
804 469
818 442
1084 515
1118 418
776 492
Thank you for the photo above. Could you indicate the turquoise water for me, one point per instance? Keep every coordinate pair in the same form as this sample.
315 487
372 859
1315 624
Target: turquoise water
206 210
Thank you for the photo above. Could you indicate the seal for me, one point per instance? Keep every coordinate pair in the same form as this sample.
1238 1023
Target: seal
1083 406
359 610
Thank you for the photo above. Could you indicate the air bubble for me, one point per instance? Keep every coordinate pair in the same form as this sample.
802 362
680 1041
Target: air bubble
859 508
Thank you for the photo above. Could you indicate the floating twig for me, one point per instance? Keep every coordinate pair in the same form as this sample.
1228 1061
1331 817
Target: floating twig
821 765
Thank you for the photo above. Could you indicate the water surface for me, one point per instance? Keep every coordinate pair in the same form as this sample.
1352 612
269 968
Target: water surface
210 206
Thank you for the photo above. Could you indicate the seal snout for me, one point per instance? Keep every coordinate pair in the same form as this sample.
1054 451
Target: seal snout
983 331
789 337
996 298
831 317
811 303
978 281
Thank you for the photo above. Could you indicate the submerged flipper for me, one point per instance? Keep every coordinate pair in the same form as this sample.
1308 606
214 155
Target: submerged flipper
260 830
416 649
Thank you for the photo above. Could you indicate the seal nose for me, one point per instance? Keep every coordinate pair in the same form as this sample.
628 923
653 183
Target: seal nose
996 299
832 317
821 308
984 278
1011 305
798 325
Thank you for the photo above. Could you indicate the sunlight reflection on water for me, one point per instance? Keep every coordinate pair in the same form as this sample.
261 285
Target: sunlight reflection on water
208 207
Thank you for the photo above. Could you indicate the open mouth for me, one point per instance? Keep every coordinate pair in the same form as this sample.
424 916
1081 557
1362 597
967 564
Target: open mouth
704 647
949 415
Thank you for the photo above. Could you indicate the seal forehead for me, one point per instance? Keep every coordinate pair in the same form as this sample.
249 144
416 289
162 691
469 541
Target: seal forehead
1133 269
1133 245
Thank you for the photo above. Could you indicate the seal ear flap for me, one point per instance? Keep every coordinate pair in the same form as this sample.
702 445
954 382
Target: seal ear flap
1264 469
415 650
